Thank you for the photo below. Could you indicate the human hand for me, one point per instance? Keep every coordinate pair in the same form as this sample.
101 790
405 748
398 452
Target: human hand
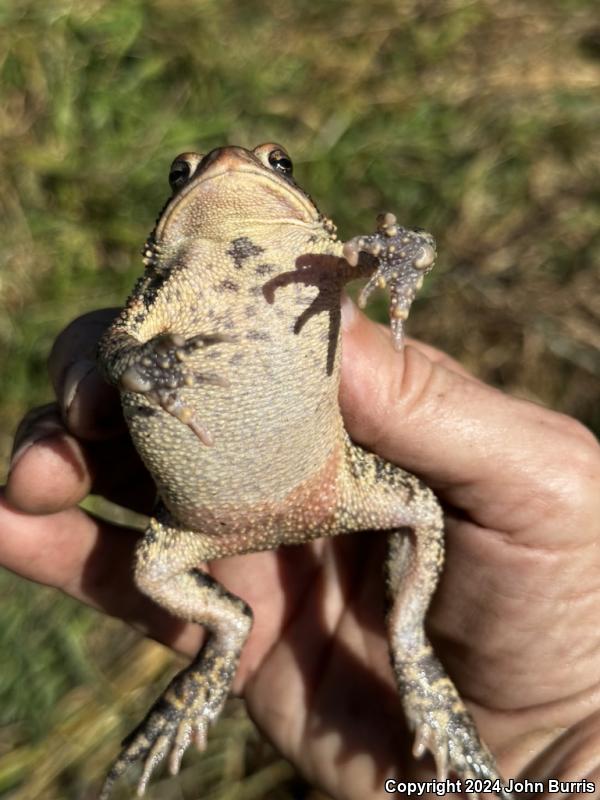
514 616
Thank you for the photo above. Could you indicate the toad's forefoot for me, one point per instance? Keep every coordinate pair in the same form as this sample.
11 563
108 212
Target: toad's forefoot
159 371
403 258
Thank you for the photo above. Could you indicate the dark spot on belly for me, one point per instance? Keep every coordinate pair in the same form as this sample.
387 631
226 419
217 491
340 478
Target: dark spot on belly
152 285
265 269
241 249
145 411
228 286
259 336
150 537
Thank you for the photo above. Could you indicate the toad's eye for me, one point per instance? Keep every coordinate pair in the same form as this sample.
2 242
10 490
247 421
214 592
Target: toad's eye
179 174
281 162
182 169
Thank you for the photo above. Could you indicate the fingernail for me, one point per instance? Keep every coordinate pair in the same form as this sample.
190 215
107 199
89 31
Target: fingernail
90 406
44 424
72 380
348 312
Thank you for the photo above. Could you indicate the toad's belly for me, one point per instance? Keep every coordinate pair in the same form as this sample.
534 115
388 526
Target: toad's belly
269 437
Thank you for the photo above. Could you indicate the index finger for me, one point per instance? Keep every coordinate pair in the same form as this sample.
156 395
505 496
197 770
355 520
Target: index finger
65 450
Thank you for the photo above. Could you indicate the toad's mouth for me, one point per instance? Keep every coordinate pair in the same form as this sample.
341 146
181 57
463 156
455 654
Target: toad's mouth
284 195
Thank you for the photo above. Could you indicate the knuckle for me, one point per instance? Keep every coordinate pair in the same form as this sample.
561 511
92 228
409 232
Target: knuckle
578 483
78 338
586 465
576 430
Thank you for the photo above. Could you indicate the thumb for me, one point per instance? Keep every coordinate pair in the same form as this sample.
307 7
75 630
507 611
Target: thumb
481 450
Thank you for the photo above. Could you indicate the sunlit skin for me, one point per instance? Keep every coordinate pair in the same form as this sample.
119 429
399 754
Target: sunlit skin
515 618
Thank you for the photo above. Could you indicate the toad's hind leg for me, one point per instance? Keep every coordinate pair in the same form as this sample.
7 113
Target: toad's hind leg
166 571
380 495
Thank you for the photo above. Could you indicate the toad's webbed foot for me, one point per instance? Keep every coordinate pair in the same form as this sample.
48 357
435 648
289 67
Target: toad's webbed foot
159 370
179 717
442 724
403 258
196 695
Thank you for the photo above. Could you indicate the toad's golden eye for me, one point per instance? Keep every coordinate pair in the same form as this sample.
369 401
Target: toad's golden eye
182 169
281 162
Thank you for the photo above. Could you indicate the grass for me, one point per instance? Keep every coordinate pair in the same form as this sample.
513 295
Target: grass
477 120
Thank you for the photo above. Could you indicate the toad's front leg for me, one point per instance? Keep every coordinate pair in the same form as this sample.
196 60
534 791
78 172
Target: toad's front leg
166 570
397 258
158 369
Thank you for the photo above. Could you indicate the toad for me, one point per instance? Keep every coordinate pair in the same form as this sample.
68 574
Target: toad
227 358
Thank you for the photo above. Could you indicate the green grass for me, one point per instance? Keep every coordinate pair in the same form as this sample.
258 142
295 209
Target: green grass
477 120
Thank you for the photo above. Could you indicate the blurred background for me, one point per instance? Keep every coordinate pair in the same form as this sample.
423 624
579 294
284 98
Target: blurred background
479 121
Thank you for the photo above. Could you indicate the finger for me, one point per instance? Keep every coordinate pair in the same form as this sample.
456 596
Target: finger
350 312
88 404
482 450
439 357
52 470
90 560
48 469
